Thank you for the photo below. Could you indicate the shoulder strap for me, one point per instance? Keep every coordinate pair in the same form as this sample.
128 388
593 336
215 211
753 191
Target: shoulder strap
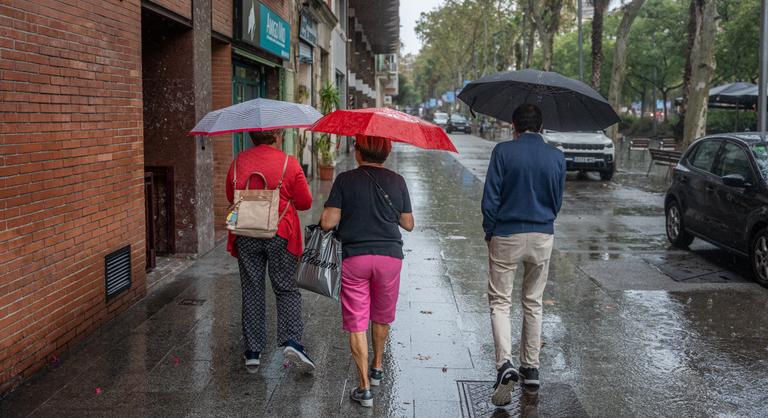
282 176
234 178
382 192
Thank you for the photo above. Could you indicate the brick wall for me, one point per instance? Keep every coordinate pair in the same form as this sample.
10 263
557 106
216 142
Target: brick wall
222 17
71 171
281 7
221 73
181 7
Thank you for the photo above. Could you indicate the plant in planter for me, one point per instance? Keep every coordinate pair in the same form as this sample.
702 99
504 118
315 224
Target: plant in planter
329 101
300 143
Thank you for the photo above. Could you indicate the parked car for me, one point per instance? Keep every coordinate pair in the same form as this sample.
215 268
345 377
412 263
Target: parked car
457 122
440 119
585 151
719 194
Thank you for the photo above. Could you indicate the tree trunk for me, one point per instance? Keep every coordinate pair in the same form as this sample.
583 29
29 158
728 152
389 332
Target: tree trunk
600 6
618 71
702 70
664 94
547 45
680 126
530 34
546 14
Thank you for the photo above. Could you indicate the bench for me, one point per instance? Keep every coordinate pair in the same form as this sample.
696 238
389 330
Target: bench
638 144
668 144
664 158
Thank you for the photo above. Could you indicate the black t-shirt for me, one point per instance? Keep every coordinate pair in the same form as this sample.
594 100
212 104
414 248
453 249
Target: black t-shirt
368 224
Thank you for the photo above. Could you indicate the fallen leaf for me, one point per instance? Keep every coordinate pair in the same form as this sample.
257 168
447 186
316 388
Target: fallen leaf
286 365
176 360
549 301
423 357
98 391
426 312
445 370
543 344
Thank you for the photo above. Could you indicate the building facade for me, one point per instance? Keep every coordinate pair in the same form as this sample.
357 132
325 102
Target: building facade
98 176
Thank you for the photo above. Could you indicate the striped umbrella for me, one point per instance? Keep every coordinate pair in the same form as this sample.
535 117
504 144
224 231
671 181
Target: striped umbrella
256 115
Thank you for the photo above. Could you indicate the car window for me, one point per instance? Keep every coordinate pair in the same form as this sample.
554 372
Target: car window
760 152
458 118
733 160
703 156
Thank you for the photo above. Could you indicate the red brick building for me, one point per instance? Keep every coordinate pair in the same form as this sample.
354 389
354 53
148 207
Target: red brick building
97 173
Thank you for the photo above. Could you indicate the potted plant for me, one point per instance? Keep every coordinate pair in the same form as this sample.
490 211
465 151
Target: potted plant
299 144
329 101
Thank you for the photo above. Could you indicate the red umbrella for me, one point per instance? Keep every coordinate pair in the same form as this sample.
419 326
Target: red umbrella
386 123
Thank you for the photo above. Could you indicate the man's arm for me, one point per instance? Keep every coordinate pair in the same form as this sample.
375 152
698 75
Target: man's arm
559 196
492 194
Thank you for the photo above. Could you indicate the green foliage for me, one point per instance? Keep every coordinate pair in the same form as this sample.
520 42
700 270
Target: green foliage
407 94
329 101
738 41
463 40
726 120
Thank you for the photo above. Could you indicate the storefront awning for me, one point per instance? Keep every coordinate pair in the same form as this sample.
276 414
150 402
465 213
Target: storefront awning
381 23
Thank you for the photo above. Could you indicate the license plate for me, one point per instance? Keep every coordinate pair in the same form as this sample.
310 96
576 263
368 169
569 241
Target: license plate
584 159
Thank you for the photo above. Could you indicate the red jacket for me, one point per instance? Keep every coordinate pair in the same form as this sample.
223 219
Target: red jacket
269 161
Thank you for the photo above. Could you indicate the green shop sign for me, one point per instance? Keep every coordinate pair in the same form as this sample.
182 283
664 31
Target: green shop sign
263 28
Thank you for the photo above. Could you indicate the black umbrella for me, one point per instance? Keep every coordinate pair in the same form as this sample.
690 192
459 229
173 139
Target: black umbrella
567 104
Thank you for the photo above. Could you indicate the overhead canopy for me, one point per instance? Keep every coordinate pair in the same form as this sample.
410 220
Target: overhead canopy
381 23
731 96
740 95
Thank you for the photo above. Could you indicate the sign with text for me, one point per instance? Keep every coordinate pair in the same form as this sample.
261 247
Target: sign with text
308 29
263 28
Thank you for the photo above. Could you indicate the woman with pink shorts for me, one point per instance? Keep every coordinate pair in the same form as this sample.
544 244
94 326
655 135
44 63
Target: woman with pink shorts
369 205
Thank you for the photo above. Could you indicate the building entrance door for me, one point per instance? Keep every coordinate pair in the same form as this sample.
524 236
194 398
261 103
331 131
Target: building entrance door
248 82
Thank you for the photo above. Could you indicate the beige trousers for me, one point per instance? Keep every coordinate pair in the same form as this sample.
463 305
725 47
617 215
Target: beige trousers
533 250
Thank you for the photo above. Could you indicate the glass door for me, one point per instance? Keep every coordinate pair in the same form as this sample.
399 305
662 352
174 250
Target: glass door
248 83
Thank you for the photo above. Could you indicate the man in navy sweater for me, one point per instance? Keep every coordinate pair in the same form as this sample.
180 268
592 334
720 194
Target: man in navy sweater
522 197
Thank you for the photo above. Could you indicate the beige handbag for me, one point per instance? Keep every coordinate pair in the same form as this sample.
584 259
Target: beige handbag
255 212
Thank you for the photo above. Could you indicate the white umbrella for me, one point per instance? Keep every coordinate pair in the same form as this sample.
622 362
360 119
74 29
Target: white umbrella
256 115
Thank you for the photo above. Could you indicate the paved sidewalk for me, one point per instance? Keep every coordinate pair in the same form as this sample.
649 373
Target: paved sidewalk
611 346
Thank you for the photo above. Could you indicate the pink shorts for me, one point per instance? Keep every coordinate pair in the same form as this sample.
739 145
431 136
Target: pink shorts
369 288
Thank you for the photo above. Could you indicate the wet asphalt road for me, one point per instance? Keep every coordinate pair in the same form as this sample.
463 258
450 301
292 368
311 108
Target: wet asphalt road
631 328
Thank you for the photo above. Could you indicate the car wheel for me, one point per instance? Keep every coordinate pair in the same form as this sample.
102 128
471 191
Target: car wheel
606 175
676 232
759 257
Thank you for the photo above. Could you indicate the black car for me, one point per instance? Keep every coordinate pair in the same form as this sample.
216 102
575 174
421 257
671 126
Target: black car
458 123
719 194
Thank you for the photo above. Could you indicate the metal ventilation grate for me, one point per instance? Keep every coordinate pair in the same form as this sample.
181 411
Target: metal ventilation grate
117 268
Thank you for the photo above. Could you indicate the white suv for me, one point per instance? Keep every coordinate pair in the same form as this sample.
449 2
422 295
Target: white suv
585 151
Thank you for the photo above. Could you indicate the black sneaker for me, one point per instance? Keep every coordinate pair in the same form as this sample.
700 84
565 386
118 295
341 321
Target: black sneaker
295 355
362 396
375 375
252 361
530 376
502 389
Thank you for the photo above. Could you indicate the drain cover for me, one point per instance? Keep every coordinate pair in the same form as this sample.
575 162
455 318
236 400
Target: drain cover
553 399
192 302
692 269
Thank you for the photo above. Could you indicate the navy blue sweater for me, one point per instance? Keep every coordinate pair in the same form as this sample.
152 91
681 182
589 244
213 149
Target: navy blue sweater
523 188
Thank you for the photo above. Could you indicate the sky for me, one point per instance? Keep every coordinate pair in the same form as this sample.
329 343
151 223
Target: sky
410 10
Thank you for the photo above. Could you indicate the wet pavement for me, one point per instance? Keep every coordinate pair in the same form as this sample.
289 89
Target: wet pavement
631 328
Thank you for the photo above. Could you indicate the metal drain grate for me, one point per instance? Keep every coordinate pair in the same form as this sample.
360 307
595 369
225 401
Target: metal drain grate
192 302
553 399
117 272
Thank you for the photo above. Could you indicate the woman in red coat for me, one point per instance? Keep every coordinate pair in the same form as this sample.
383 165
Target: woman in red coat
279 254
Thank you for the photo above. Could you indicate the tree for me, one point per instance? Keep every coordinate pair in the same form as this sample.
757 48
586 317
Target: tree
546 14
629 13
738 43
702 59
406 95
657 46
600 7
